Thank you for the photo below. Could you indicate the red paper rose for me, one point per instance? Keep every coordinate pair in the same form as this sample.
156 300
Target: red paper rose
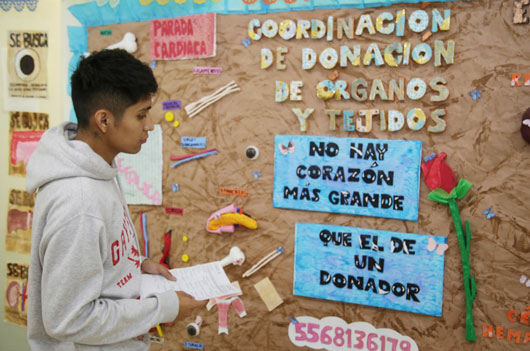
438 174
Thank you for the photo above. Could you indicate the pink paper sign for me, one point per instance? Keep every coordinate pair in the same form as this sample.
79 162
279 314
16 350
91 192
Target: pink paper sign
184 37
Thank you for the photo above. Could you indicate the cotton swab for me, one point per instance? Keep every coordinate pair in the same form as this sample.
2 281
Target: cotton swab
195 107
271 256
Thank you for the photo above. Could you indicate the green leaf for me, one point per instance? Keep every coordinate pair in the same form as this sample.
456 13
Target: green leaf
462 188
439 195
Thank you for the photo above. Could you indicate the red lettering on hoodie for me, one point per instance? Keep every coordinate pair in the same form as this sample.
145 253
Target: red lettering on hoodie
129 251
115 249
124 280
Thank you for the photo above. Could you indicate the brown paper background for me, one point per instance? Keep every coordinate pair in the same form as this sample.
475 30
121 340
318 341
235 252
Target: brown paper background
482 140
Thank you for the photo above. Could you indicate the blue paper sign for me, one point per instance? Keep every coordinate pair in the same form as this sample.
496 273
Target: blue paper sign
393 270
193 345
368 177
171 105
193 143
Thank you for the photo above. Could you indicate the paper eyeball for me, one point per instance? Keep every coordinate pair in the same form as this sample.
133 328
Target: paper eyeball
252 152
525 126
194 328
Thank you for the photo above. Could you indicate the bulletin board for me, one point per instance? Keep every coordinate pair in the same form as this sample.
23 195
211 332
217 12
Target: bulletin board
481 138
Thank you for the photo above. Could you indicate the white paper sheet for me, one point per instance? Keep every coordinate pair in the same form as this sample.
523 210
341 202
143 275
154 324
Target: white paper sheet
203 282
141 174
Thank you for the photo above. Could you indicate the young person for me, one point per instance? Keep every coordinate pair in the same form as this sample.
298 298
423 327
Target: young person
84 279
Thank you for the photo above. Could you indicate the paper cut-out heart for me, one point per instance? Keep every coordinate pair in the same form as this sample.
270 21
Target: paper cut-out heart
440 248
286 149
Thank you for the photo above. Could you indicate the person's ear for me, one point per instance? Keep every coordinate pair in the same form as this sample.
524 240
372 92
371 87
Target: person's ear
103 119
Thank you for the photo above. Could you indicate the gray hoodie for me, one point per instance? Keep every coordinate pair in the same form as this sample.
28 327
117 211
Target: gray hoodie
84 276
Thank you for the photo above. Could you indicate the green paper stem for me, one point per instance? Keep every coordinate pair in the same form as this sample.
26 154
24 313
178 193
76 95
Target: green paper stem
469 280
464 243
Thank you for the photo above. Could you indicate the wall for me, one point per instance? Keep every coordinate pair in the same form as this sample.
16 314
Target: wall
46 17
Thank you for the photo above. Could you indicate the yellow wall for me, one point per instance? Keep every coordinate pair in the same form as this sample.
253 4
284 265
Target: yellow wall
47 17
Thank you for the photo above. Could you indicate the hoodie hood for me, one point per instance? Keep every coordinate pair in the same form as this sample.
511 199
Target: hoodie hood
58 156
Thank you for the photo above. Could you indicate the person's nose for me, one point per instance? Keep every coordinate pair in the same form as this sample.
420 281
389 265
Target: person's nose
149 125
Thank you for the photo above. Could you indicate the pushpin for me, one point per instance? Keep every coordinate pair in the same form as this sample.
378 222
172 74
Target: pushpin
184 238
169 116
185 258
175 187
176 124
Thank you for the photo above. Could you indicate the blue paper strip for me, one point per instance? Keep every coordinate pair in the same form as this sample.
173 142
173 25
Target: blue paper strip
361 176
193 158
358 266
146 237
193 143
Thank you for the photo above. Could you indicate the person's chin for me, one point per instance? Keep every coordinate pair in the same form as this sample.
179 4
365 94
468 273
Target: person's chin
133 150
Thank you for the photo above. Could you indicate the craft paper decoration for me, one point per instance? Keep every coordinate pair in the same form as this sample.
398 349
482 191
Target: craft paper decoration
19 219
230 191
333 333
440 178
369 267
525 125
228 218
141 174
207 70
197 106
512 336
187 37
28 64
193 143
268 294
519 12
171 105
369 177
16 294
18 5
186 158
89 14
193 345
25 131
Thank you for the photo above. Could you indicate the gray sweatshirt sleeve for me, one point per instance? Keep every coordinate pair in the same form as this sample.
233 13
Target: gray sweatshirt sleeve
72 257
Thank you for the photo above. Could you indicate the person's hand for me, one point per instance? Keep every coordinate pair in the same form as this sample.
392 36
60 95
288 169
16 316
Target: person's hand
152 267
187 304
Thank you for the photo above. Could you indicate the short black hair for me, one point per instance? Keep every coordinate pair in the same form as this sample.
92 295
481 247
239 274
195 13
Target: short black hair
110 79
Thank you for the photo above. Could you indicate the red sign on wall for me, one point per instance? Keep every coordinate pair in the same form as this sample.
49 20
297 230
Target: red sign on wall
186 37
